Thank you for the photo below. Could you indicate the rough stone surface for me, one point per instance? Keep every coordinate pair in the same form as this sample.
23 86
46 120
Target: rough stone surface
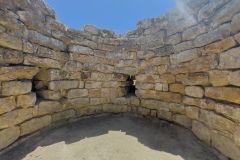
202 131
194 91
10 135
7 104
16 88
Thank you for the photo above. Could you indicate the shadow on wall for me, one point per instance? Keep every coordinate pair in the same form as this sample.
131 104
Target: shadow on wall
172 141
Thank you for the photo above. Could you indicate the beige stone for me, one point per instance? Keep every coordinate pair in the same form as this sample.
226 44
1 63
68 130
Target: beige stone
147 78
73 66
177 108
119 101
35 124
234 78
219 78
173 39
91 29
79 102
7 104
98 101
177 88
193 79
167 78
74 93
10 135
154 104
237 136
229 94
134 101
93 85
48 107
64 84
9 41
185 56
182 120
207 104
150 70
225 146
191 101
164 115
63 115
8 56
51 74
158 61
49 95
170 97
230 59
194 91
237 37
27 100
162 69
228 110
161 87
145 54
146 86
192 112
80 49
16 88
144 111
202 131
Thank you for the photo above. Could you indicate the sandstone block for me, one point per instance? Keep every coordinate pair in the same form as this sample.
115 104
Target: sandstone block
225 146
79 102
10 135
169 97
9 41
161 87
182 120
147 86
183 46
27 100
173 39
99 101
164 51
73 66
48 107
230 59
192 112
54 24
74 93
63 115
207 104
91 29
119 101
237 37
64 84
167 78
145 54
237 136
223 93
177 88
185 56
150 70
147 78
49 95
80 49
162 69
228 110
127 70
202 131
144 111
7 104
219 78
93 85
8 56
235 24
104 68
191 101
158 61
194 91
154 104
177 108
35 124
164 115
16 88
134 101
234 78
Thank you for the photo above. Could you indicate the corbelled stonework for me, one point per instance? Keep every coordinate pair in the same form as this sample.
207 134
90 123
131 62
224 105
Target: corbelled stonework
186 64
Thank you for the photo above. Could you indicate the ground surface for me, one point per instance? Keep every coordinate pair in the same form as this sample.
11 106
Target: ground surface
116 137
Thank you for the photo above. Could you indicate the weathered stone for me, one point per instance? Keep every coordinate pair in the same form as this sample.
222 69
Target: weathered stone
164 51
65 84
93 85
183 46
230 59
225 146
177 108
164 115
47 107
104 68
147 78
191 101
177 88
162 69
7 104
170 97
185 56
228 110
235 24
41 62
79 102
226 13
219 78
8 56
43 40
182 120
16 88
158 61
144 24
15 117
207 104
10 135
237 136
144 111
217 34
202 131
237 37
134 101
98 101
35 124
51 74
54 24
194 91
234 78
154 104
193 79
9 41
74 93
173 39
145 54
63 115
27 100
216 122
229 94
80 49
18 72
150 70
73 66
219 47
49 95
167 78
192 112
91 29
161 87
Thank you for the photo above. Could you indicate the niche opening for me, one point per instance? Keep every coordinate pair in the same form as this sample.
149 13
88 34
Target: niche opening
131 85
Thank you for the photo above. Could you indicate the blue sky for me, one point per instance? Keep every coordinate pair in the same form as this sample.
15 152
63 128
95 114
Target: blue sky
119 16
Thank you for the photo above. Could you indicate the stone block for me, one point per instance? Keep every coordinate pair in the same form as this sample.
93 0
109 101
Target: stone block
93 85
191 101
10 135
202 131
234 78
119 101
194 91
192 112
147 86
11 42
145 54
173 39
16 88
228 110
167 78
183 46
79 102
226 146
144 111
162 69
127 70
219 78
56 117
193 79
182 120
51 74
80 49
177 108
99 101
158 61
48 107
27 100
104 68
8 56
7 104
230 59
237 136
185 56
75 93
134 101
35 124
237 37
91 29
154 104
49 95
150 70
64 84
229 94
207 104
147 78
169 97
161 87
164 115
73 66
177 88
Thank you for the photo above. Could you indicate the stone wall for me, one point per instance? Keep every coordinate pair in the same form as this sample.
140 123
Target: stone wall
186 64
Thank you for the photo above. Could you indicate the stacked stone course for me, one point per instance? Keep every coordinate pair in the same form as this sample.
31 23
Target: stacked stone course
186 66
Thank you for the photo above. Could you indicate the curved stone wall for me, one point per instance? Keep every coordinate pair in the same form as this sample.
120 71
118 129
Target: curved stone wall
186 66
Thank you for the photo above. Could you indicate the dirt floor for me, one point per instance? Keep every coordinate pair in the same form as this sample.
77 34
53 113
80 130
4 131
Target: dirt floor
114 137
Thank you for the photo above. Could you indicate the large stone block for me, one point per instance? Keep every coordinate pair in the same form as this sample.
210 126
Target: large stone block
219 78
182 120
193 79
161 87
73 66
194 91
144 111
16 88
147 78
27 100
230 59
35 124
49 95
192 112
99 101
237 136
145 54
18 72
164 115
191 101
229 94
74 93
234 78
9 135
177 108
185 56
158 61
154 104
167 78
65 84
228 110
236 23
93 85
177 88
147 86
226 146
48 107
169 97
7 104
8 56
51 74
80 49
202 131
9 41
63 115
127 70
79 102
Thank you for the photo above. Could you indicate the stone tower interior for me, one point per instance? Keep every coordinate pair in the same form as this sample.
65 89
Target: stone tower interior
185 66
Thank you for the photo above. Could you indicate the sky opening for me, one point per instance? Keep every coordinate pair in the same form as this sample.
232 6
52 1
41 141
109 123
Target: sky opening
118 16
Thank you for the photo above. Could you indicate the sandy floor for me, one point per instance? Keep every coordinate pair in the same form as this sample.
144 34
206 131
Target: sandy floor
117 137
